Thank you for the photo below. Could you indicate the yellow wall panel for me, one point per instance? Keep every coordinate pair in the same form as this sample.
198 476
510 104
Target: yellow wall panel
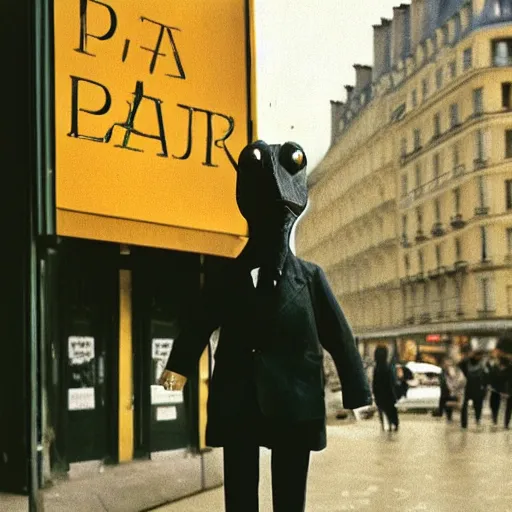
147 94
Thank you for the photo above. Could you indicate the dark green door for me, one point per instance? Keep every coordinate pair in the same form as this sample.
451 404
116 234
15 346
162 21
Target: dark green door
165 286
88 312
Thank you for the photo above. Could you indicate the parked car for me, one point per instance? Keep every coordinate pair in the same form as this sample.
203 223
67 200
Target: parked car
424 388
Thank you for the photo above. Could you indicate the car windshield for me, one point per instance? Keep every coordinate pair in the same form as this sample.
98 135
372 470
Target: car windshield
427 379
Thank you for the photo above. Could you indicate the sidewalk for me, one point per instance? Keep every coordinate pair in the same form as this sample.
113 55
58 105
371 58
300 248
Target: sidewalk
426 466
129 487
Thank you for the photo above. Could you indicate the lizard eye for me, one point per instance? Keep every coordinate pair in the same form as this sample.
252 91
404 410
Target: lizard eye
298 157
292 158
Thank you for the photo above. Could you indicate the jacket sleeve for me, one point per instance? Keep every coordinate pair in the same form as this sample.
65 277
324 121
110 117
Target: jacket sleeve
337 338
195 335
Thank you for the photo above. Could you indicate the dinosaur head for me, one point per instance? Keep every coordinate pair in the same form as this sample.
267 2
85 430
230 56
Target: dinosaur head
271 182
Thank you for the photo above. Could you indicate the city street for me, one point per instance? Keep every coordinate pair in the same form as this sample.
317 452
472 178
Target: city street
427 466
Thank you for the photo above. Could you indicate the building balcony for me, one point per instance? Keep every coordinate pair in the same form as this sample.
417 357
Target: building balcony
437 272
481 210
459 170
420 277
425 318
404 241
461 265
479 163
486 313
420 236
457 222
437 229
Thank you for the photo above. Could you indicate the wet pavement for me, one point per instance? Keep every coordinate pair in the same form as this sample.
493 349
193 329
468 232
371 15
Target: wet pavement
427 465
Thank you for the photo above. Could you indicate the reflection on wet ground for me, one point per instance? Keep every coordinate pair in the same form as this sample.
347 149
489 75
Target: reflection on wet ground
428 465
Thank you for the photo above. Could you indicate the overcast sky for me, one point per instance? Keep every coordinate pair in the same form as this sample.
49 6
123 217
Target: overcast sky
305 52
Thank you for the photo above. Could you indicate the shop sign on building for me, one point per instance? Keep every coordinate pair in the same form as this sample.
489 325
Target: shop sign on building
151 98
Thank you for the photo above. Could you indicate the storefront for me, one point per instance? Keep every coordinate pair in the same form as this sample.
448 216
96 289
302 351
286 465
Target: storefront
427 348
138 108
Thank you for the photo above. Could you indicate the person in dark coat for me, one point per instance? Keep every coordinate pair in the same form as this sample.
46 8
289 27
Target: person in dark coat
504 355
384 389
476 373
277 313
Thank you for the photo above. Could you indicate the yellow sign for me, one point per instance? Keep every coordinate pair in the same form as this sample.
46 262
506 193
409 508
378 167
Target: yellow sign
151 96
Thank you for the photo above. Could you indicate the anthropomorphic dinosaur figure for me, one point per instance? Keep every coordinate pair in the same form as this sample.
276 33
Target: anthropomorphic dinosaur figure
277 314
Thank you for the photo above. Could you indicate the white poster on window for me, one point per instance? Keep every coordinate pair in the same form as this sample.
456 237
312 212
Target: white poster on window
80 350
160 351
160 395
166 413
81 399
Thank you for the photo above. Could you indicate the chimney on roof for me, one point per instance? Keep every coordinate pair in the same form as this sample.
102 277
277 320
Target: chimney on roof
337 109
350 90
400 34
363 76
417 22
478 6
381 48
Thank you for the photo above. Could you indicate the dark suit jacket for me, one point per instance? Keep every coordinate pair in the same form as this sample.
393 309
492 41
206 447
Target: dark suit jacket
276 347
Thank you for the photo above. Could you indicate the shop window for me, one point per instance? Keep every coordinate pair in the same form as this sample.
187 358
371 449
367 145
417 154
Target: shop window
508 144
508 192
437 125
502 52
506 88
439 78
478 101
467 59
454 115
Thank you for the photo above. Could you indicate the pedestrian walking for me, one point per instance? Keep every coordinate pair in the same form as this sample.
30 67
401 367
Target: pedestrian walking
501 381
277 314
475 370
384 389
453 384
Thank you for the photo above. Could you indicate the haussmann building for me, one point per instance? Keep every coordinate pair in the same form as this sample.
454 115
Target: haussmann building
119 203
411 208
